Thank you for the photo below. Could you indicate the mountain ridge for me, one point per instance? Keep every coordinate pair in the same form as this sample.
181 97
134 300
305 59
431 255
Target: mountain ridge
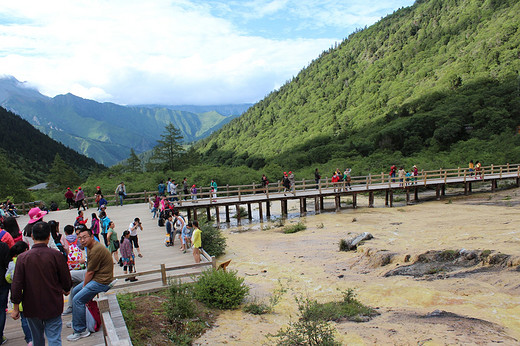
104 131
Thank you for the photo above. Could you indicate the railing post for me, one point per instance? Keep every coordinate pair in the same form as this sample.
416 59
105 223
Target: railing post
445 176
500 172
492 169
163 274
303 181
367 181
227 190
382 177
254 188
239 195
23 206
458 171
425 178
508 167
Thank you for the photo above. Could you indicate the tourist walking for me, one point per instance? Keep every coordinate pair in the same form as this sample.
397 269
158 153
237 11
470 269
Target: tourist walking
196 240
113 241
127 256
265 182
105 221
185 188
121 192
194 194
99 276
292 180
18 248
471 168
4 289
41 272
80 197
317 177
95 226
347 178
213 186
69 196
161 188
133 228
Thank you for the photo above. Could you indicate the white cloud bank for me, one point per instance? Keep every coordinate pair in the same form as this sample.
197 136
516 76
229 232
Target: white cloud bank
169 51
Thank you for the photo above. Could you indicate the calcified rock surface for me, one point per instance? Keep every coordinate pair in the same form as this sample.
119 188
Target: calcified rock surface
464 288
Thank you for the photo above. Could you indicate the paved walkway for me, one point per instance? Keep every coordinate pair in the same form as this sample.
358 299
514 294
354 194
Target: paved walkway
151 243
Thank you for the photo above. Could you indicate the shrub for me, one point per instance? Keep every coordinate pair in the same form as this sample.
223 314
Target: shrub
213 241
294 228
260 308
344 245
350 308
220 289
180 303
305 331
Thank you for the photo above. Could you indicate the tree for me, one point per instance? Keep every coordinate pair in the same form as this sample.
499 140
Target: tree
11 185
168 149
62 175
133 162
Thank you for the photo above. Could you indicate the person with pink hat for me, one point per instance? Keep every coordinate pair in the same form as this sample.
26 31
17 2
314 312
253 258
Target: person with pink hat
35 215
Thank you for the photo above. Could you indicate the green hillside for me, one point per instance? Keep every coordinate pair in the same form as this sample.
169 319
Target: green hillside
30 153
438 78
104 131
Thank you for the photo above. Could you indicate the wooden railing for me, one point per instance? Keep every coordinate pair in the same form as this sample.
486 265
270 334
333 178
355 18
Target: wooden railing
207 261
306 185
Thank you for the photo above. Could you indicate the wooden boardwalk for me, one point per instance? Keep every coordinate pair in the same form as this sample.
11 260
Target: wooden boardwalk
250 195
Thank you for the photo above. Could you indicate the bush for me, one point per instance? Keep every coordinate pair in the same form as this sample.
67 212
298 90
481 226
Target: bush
344 245
213 241
350 308
305 331
180 303
220 289
295 228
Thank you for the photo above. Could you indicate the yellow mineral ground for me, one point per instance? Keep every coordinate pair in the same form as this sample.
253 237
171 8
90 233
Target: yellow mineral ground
309 264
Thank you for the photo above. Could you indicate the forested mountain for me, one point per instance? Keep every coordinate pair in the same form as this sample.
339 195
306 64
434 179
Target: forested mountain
438 81
31 153
105 131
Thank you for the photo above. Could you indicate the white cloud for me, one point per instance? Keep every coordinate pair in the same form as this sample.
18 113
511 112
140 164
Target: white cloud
159 51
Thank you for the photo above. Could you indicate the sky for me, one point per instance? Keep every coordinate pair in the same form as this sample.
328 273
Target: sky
174 52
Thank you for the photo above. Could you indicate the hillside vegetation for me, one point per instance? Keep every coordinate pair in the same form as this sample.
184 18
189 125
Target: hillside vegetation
436 83
27 155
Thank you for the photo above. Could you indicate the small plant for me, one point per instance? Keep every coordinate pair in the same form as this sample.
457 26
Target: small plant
220 289
242 212
398 199
485 253
260 308
180 303
304 331
349 308
294 228
213 241
343 245
278 223
257 308
320 226
506 198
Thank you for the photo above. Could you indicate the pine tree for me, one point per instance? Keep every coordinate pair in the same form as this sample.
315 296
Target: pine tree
62 175
133 162
168 149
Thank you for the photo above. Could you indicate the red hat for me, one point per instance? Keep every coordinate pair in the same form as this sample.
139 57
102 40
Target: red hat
68 188
79 188
193 186
284 172
290 172
97 187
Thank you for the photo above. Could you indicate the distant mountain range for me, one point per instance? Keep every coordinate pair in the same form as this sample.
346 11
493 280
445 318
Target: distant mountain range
106 131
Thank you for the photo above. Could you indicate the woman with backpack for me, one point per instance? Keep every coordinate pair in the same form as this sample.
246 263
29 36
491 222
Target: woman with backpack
127 256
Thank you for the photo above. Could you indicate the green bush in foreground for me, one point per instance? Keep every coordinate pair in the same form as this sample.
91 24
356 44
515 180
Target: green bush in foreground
180 303
295 228
220 289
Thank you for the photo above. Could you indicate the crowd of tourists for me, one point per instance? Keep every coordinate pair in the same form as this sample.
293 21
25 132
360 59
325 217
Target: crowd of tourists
40 261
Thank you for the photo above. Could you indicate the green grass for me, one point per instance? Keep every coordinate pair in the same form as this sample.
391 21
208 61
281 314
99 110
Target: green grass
294 228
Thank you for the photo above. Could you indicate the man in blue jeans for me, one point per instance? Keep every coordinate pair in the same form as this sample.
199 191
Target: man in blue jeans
100 273
41 272
4 289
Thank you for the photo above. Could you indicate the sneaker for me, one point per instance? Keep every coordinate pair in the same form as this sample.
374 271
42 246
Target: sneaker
133 279
4 340
67 311
77 336
68 324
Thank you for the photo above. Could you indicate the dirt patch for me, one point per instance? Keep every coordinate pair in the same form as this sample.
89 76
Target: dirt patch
148 324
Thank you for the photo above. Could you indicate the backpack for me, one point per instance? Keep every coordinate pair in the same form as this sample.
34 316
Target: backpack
93 316
74 255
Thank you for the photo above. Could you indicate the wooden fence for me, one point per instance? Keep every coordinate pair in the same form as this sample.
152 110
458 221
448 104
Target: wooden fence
371 180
